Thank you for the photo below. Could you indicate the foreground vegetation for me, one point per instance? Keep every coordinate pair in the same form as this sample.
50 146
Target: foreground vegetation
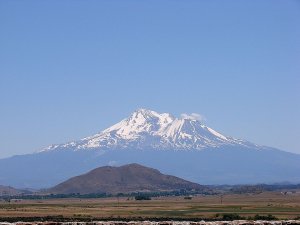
60 218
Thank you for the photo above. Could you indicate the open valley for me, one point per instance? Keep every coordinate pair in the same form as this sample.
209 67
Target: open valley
282 206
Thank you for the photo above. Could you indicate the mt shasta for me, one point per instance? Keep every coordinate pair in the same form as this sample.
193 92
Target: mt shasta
149 129
182 147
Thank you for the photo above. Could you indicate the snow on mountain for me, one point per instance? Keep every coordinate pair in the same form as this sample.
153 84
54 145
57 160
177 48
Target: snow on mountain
183 147
146 129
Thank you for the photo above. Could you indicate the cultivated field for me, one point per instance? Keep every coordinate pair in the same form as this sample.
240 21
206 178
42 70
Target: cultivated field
280 205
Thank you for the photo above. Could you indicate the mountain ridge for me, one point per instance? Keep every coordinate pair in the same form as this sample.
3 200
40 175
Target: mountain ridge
7 190
148 129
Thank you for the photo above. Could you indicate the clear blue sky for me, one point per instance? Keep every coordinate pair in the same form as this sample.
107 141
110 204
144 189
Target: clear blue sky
69 69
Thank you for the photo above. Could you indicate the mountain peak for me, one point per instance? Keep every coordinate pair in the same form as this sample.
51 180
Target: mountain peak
147 129
144 111
146 114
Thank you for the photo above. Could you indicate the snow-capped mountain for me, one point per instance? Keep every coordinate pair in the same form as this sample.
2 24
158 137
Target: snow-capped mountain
183 147
149 129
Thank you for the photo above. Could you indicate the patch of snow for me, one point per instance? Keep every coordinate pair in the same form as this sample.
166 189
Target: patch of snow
216 133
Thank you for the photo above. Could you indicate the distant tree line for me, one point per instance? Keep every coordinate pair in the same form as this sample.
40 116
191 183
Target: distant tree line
181 192
242 189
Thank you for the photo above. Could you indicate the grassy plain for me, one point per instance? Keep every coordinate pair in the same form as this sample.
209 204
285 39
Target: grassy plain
275 203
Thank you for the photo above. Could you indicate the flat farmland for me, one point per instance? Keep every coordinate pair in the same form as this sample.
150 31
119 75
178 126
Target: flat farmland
274 203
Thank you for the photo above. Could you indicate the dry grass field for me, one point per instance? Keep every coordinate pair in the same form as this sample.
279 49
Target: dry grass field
275 203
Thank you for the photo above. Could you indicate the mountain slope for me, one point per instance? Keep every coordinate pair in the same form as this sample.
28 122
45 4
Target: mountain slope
10 191
125 179
148 129
181 147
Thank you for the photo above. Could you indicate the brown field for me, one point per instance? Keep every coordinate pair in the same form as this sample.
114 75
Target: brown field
275 203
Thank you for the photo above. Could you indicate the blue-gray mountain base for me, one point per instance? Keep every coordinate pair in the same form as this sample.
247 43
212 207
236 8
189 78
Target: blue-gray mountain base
181 147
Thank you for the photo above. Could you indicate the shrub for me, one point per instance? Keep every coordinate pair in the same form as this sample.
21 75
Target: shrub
232 216
142 197
268 217
188 197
